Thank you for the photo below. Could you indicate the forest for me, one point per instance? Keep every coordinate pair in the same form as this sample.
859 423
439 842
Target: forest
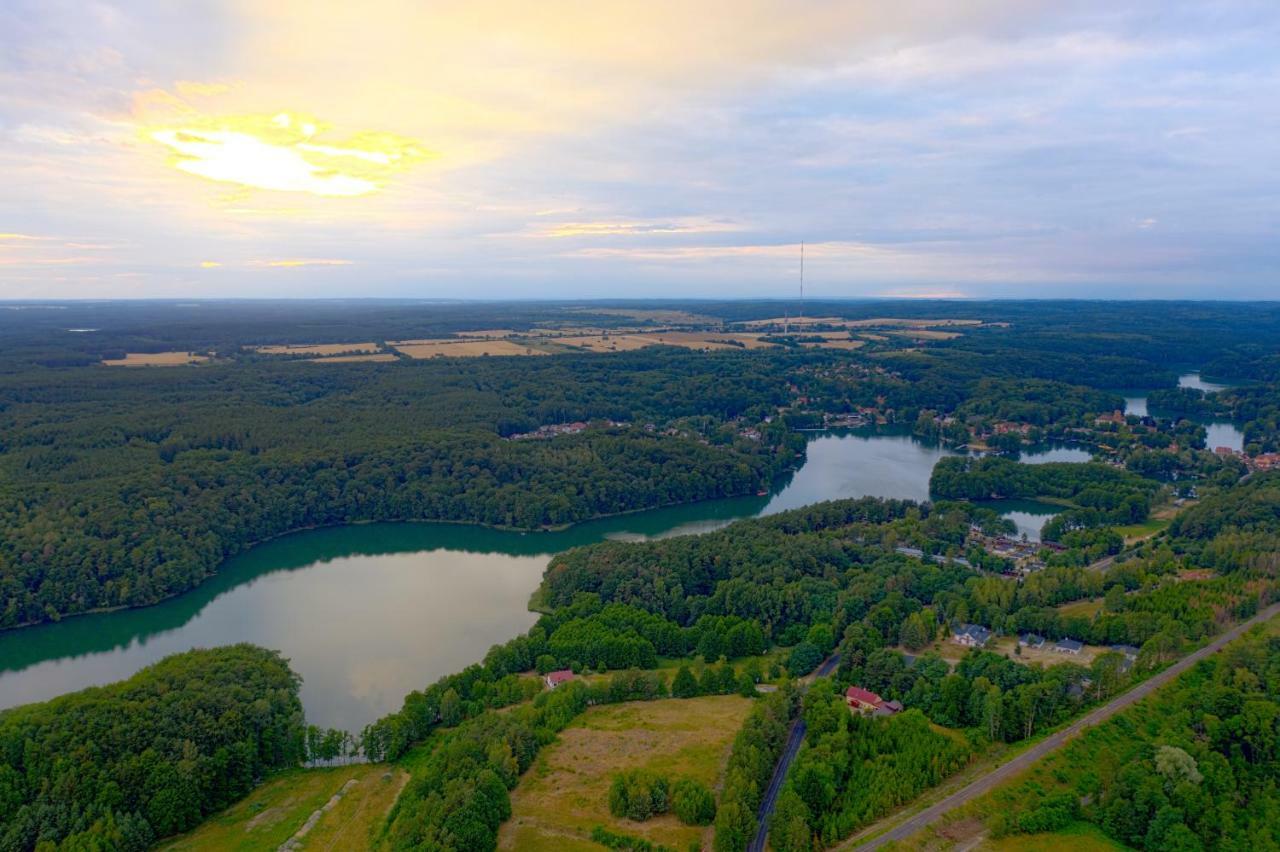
122 766
1191 767
123 487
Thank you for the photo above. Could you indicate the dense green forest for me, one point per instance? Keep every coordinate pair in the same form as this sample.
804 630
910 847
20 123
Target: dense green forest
854 769
1191 767
123 487
120 766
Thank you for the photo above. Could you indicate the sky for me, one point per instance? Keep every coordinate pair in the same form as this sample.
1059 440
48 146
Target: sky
499 149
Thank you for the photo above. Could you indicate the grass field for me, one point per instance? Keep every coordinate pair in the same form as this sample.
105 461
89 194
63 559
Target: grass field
464 348
156 359
1137 532
1078 837
564 794
1088 608
346 359
270 815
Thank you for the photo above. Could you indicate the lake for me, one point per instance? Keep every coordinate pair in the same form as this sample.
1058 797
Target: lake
1221 433
366 613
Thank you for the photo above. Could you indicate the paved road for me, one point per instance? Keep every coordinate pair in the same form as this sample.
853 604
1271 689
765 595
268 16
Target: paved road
794 737
1054 741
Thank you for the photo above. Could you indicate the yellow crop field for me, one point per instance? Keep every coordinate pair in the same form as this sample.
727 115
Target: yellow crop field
156 359
564 794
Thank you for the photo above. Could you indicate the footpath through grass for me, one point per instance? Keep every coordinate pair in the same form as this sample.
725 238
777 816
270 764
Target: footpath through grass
271 814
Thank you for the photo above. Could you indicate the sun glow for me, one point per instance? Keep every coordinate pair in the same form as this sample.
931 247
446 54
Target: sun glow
281 153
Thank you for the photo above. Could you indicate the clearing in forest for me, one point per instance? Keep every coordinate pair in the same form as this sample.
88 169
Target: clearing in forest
274 812
319 349
464 348
156 359
565 793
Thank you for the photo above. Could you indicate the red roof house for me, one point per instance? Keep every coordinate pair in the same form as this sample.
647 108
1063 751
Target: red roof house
866 701
554 679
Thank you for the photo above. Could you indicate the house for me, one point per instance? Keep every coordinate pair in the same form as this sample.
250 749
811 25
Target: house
1116 417
865 701
971 635
554 679
1068 646
1031 640
1130 656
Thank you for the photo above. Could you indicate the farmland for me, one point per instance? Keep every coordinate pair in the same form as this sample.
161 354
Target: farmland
563 796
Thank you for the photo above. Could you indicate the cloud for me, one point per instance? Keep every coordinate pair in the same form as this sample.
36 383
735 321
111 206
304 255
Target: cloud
292 262
286 153
665 148
632 228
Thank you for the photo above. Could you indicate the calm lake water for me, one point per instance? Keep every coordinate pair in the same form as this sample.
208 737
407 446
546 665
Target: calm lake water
1221 433
367 613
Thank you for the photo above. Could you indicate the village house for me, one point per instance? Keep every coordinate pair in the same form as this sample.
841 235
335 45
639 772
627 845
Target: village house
1031 640
554 679
971 635
1068 646
1116 417
865 701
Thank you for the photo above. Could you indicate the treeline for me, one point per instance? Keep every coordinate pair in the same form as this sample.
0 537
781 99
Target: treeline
853 769
583 636
122 766
1190 767
756 750
109 543
1100 494
458 796
1258 408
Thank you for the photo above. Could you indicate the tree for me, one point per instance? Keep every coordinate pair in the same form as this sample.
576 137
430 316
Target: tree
692 802
789 826
804 658
450 708
915 633
685 685
1177 766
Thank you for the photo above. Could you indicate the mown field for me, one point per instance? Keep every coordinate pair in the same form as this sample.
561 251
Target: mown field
275 811
564 794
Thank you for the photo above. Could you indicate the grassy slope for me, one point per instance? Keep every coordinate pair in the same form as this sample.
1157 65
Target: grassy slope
564 794
271 814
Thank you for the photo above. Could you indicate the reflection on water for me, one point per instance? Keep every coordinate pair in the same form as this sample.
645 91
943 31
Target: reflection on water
1220 433
1056 453
366 613
1027 515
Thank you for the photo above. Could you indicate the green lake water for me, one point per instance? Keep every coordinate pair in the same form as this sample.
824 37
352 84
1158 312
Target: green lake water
367 613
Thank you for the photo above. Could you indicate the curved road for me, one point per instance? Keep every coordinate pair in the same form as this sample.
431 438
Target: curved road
794 737
1054 741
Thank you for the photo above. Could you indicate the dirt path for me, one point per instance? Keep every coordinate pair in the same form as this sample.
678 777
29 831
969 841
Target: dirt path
1055 741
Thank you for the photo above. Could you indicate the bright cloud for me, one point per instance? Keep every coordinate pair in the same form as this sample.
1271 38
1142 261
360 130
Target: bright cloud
496 148
278 153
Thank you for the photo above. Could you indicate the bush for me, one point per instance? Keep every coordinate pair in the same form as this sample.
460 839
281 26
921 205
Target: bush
638 794
692 802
